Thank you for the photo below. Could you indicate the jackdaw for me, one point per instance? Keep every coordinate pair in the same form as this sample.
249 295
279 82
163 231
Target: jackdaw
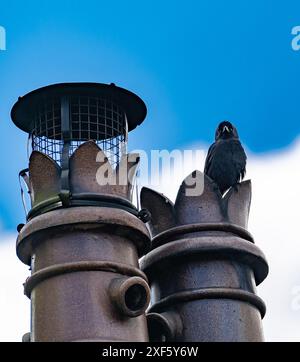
226 159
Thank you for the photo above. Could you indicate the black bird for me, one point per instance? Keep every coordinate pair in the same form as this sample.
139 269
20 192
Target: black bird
226 159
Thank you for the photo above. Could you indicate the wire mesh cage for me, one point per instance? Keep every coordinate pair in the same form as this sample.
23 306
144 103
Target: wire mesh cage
91 118
59 118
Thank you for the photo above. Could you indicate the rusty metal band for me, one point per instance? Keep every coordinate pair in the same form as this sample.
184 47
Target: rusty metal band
83 199
169 234
210 293
81 266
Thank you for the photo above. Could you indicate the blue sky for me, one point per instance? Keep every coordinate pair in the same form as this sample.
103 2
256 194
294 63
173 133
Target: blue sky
193 62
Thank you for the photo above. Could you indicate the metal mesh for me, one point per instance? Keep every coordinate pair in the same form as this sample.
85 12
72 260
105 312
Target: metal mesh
91 118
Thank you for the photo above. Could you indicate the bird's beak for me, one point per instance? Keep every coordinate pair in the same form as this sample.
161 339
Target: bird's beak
226 129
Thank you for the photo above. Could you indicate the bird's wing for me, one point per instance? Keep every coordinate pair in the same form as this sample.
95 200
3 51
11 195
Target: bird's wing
239 157
209 157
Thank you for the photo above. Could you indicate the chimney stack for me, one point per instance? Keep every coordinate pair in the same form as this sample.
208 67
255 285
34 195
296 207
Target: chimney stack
204 267
83 236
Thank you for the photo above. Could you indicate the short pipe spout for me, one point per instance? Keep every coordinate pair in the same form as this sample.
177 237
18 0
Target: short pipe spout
164 327
131 296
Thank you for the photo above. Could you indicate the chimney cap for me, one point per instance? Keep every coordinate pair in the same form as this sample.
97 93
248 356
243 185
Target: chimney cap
24 109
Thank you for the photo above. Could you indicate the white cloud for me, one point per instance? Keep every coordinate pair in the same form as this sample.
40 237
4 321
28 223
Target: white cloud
274 222
14 305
